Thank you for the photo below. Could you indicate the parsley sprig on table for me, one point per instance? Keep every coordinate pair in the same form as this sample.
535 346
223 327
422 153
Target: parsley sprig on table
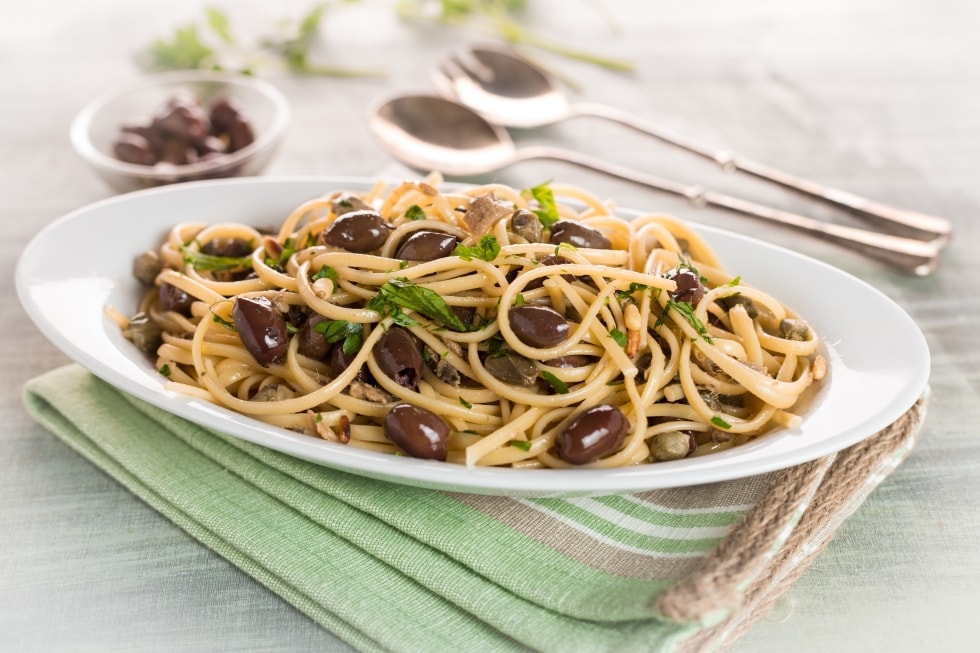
213 44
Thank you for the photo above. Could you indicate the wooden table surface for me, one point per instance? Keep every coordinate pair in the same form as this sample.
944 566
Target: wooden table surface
877 97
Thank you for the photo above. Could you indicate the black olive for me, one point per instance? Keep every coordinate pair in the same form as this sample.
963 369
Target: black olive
464 313
225 111
418 432
550 260
339 362
183 119
539 326
312 344
357 231
592 434
261 329
426 246
689 286
571 360
133 148
227 247
578 234
173 298
399 356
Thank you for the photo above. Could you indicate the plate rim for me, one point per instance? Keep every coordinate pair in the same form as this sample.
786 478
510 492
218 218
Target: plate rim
722 466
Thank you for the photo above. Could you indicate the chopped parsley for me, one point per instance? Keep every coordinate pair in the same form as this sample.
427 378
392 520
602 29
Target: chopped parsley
325 272
415 212
164 370
634 288
548 211
560 386
402 293
619 337
487 249
464 403
720 423
211 263
523 445
352 333
687 311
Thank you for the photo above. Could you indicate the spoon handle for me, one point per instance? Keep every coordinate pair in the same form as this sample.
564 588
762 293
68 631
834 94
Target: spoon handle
908 254
908 223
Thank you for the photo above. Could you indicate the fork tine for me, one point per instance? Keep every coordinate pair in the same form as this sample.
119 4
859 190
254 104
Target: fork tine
445 74
472 66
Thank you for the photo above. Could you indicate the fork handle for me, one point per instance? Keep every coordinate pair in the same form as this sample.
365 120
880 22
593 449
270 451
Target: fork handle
910 255
905 222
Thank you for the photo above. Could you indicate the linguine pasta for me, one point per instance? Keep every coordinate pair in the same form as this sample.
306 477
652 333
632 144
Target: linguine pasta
625 342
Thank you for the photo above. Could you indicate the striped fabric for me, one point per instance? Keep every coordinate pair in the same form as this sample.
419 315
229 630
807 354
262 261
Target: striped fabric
396 568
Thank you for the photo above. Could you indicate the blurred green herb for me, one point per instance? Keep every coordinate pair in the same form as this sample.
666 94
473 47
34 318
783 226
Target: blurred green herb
213 45
502 18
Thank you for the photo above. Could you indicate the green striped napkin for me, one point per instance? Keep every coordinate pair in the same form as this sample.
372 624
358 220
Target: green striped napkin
666 570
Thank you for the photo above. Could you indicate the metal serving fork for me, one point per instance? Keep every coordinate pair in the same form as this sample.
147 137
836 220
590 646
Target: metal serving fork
508 90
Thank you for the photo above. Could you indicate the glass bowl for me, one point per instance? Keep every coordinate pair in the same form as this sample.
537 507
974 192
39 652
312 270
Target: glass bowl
97 126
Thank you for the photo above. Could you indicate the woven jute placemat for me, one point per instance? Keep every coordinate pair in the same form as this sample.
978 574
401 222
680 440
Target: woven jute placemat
826 491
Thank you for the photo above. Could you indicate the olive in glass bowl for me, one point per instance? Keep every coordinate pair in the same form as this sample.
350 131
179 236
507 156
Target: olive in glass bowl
184 118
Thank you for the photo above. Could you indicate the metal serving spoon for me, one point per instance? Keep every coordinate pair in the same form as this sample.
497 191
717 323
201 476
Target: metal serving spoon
511 91
430 133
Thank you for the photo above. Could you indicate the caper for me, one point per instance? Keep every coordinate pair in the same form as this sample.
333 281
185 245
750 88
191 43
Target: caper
539 326
418 432
672 445
512 368
793 329
592 434
144 333
527 225
146 267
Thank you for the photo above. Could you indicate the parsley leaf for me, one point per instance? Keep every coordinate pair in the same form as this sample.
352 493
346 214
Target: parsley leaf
352 333
325 272
487 249
401 293
619 337
634 288
415 212
523 445
720 423
560 386
211 263
548 211
687 311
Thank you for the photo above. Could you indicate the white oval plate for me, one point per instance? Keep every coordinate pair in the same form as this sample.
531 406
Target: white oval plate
68 274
